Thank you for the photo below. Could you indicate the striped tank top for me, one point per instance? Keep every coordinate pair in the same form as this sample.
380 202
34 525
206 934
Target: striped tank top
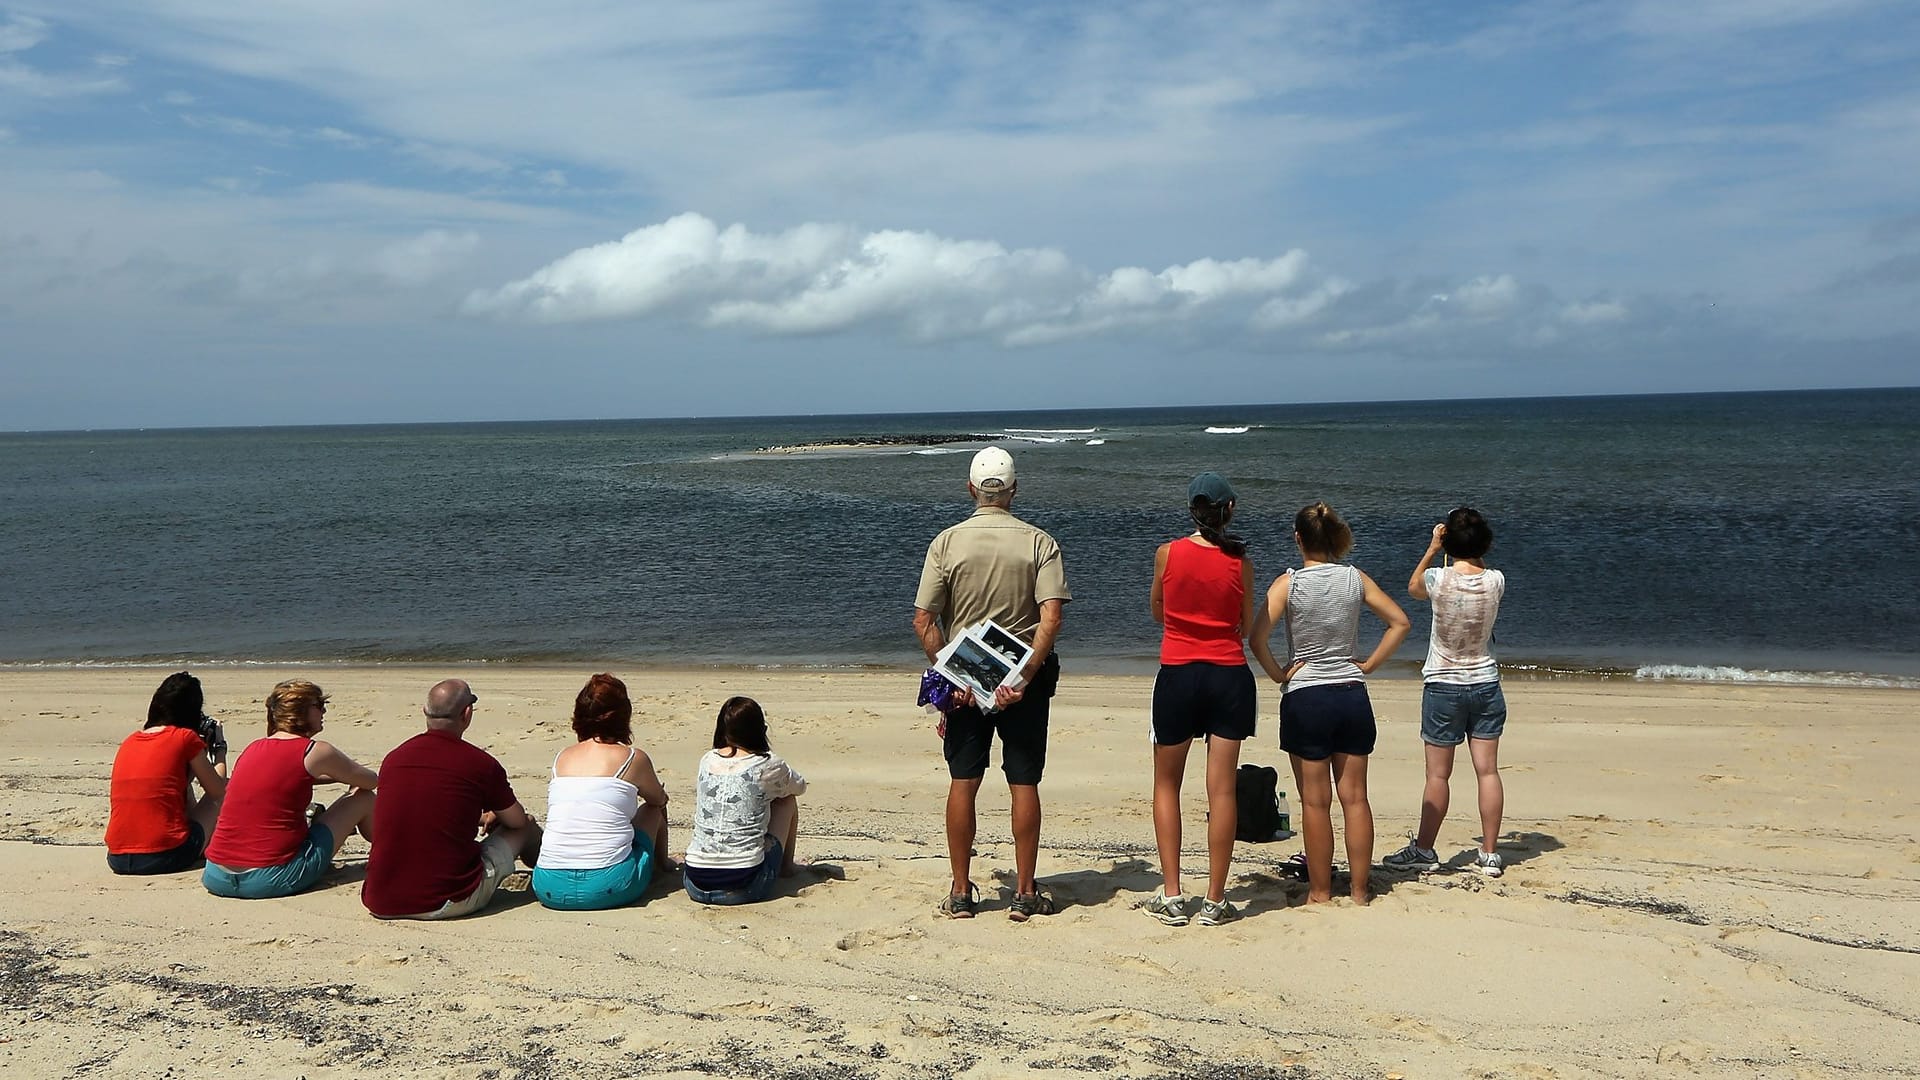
1323 625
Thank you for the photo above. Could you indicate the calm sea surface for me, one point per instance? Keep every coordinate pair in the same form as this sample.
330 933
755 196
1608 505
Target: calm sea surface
1739 536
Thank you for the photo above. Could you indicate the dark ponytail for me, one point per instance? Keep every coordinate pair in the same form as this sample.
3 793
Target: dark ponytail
1211 519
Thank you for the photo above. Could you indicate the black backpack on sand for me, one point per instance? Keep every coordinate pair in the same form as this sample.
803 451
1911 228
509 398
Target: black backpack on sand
1259 808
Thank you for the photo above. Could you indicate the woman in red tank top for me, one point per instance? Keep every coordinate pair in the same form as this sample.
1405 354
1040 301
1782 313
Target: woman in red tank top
1202 596
264 845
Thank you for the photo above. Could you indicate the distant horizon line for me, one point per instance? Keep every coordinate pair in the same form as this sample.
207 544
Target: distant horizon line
1078 409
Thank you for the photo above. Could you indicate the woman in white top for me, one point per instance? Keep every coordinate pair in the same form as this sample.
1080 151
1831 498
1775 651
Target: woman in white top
606 810
1326 718
1461 701
746 812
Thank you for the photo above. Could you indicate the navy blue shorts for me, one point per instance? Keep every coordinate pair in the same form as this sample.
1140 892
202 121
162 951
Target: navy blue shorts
172 861
1193 701
1317 722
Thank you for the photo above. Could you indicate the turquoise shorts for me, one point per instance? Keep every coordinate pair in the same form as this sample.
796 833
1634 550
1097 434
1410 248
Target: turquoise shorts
297 874
595 890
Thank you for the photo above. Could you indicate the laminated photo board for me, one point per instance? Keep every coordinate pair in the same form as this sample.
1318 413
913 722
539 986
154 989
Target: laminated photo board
982 657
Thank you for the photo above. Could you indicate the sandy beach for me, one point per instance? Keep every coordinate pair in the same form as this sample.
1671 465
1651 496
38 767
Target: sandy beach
1703 881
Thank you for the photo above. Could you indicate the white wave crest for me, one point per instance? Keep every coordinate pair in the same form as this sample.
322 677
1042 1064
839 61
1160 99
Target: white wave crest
1728 674
1051 430
1096 442
1241 430
932 450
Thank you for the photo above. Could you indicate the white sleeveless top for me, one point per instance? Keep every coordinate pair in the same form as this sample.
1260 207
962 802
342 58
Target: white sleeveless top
589 820
1323 625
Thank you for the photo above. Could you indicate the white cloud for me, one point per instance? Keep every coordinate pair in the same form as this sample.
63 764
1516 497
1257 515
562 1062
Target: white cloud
21 32
818 278
1486 296
1592 312
423 258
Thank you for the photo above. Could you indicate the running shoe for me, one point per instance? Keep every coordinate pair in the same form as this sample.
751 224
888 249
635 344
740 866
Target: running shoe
1215 912
1171 910
1490 863
1412 857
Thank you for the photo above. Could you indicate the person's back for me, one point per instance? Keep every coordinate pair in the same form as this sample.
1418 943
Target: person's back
1460 700
991 566
147 790
265 818
433 789
733 803
1466 601
1323 625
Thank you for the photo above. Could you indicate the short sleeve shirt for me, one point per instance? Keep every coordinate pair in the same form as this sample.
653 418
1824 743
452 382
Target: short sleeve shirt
1464 609
433 789
992 566
147 795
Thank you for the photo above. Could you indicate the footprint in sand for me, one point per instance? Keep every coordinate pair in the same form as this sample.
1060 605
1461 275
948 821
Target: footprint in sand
867 939
1682 1053
1407 1025
1139 963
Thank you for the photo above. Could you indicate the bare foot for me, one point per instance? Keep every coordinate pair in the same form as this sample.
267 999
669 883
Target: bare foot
1362 898
1324 898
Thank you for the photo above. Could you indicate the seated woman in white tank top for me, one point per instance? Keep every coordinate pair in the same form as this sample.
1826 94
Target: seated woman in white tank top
606 810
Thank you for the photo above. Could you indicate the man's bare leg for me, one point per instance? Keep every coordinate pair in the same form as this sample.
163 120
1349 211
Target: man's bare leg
1026 836
962 795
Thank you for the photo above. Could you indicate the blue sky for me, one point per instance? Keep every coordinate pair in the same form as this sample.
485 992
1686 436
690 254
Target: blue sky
214 213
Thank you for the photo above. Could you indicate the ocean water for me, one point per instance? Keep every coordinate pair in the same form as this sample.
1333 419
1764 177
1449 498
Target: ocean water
1767 536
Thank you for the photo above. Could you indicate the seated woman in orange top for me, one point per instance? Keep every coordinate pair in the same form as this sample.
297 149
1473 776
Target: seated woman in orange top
263 845
154 824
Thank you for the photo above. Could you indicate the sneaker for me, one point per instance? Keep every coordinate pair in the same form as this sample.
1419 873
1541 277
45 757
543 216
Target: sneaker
1026 905
1490 863
1412 857
1215 912
1171 910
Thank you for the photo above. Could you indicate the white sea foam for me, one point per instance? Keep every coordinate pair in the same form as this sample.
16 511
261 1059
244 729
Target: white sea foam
1052 430
1096 442
932 450
1727 674
1241 430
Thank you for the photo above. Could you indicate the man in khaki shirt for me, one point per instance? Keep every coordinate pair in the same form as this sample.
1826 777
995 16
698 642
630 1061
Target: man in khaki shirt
995 566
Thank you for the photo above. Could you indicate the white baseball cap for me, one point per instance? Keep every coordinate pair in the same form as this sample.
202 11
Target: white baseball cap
992 470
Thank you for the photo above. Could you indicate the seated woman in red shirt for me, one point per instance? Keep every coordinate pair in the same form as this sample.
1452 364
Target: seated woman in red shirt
154 824
263 845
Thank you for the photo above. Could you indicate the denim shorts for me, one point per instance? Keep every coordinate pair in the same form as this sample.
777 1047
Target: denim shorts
297 874
1449 713
596 890
760 888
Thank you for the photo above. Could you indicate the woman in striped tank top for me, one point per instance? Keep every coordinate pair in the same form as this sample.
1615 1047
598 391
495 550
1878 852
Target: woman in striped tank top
1326 719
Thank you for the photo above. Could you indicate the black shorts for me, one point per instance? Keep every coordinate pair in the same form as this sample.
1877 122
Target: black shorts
1192 701
172 861
1318 722
1022 728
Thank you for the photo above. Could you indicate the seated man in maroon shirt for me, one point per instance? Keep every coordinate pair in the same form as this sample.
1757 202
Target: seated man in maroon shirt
426 862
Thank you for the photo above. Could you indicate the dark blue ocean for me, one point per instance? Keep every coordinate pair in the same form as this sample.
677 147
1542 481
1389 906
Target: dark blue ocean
1735 536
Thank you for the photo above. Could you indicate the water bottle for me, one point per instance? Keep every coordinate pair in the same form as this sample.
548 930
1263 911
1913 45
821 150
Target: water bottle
1286 819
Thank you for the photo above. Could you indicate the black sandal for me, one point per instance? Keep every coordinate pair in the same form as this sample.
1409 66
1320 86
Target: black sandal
1026 906
960 905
